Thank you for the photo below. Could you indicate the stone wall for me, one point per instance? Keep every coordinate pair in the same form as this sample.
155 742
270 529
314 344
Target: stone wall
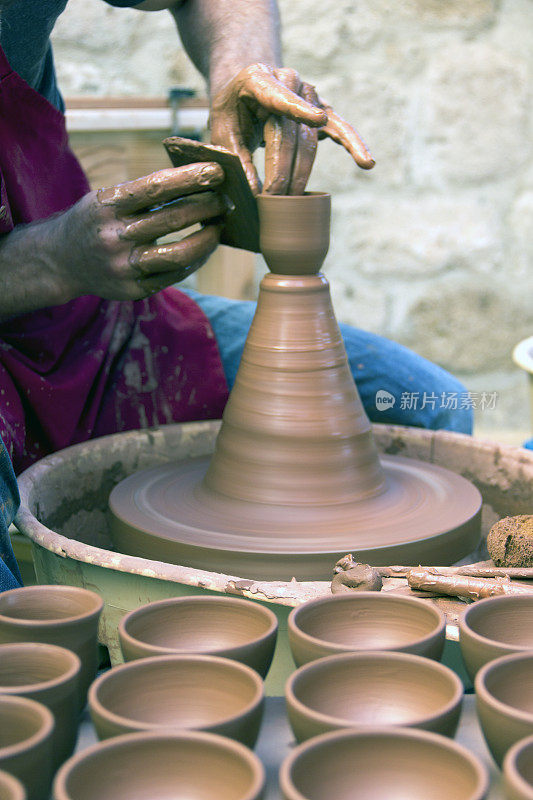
434 246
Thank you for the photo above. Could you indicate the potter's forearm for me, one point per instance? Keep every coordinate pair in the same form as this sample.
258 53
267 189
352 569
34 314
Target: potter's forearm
30 277
225 36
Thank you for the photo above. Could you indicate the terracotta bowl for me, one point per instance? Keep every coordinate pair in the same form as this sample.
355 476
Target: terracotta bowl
50 675
518 770
495 627
504 701
365 621
10 787
358 690
381 764
158 766
26 729
221 626
205 693
63 615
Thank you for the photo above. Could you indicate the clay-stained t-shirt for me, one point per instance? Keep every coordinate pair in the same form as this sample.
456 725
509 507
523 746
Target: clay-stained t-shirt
25 28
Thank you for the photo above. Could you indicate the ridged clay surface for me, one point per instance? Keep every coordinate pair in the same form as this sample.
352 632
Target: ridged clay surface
295 481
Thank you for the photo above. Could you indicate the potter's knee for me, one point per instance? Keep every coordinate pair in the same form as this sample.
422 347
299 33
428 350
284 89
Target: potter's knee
459 420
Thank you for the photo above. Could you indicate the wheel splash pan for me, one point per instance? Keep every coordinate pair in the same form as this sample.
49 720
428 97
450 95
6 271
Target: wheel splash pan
64 512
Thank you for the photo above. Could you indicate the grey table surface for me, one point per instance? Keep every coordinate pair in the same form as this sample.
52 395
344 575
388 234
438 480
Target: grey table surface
276 741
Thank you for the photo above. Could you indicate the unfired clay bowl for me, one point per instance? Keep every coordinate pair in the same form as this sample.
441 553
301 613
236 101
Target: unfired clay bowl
360 690
495 627
10 787
26 729
518 770
50 675
382 764
63 615
222 626
365 621
159 766
504 701
204 693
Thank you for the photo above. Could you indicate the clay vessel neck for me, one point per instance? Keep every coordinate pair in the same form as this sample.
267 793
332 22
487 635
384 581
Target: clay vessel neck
294 232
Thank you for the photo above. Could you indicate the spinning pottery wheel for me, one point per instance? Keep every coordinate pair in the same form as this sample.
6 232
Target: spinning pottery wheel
295 481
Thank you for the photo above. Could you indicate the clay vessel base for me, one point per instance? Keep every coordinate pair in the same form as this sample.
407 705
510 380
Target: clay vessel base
427 514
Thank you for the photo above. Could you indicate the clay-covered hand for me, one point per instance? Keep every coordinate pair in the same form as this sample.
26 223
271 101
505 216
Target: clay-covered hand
106 243
274 106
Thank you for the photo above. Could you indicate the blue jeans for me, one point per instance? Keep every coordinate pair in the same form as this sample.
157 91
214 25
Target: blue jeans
396 385
9 502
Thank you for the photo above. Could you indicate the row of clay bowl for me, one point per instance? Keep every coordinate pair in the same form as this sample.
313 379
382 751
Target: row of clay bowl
49 659
390 692
496 637
374 709
343 688
334 689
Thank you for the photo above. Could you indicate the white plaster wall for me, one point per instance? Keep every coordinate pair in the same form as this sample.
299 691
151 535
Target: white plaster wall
434 246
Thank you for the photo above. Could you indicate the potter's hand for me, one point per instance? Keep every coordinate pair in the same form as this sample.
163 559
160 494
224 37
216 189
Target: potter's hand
108 238
272 105
105 244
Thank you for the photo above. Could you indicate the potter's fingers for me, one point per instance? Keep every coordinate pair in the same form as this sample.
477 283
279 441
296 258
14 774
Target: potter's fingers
281 137
281 140
176 256
289 78
175 217
342 132
306 148
156 283
305 157
278 99
162 187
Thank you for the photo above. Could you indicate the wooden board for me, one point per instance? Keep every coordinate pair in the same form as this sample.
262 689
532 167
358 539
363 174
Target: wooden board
242 223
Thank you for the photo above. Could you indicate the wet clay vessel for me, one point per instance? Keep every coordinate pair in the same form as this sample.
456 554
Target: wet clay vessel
26 731
294 234
495 627
295 481
63 615
361 690
205 693
159 766
50 675
504 702
10 787
365 621
518 771
380 765
221 626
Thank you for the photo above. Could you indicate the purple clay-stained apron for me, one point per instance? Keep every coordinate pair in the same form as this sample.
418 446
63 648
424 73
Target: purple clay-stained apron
92 366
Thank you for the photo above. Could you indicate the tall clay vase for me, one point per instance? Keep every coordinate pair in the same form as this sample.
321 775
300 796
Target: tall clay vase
294 430
50 675
63 615
26 744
